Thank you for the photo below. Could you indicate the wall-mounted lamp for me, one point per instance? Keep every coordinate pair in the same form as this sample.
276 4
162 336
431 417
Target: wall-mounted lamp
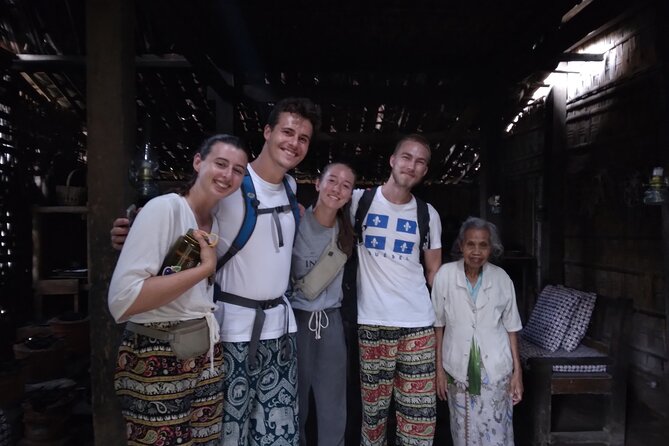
495 203
657 192
144 174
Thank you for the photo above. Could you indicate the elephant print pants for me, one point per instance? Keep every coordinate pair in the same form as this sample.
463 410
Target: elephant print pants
165 400
260 405
398 362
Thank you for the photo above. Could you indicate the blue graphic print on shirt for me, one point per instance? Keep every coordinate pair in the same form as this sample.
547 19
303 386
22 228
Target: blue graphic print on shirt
375 242
401 227
377 220
403 246
406 226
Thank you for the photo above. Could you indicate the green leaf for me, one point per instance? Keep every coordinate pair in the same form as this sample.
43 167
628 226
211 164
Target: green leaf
474 369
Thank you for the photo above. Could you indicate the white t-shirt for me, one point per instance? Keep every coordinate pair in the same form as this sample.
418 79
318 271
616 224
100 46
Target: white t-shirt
260 271
162 221
391 281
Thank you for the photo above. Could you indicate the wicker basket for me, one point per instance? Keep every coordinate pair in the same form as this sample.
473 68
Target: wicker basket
70 195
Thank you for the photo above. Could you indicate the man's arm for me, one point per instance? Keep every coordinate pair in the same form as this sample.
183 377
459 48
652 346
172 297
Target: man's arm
432 260
119 232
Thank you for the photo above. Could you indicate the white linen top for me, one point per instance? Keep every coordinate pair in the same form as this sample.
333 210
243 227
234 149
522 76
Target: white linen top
160 223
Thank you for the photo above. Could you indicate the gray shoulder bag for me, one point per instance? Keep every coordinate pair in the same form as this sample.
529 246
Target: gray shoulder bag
329 264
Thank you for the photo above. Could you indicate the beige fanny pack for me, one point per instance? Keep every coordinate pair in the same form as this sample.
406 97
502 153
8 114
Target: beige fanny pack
188 339
329 264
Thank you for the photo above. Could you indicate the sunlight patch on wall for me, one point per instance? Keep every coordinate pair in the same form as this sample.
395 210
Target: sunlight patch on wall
576 76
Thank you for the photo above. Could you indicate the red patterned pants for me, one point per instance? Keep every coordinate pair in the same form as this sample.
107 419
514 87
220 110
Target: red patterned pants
400 363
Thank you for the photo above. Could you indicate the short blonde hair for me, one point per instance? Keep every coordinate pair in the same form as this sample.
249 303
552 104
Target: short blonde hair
418 138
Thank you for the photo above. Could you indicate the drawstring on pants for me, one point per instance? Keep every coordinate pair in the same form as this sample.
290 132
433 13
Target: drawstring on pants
316 322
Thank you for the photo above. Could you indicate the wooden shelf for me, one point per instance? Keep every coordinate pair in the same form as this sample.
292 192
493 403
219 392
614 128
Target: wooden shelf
61 209
59 236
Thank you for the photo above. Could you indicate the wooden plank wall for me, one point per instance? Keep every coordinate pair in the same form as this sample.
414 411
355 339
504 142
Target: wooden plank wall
523 209
615 134
614 138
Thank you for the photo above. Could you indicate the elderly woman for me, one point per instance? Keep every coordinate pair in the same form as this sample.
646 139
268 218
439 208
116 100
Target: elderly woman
478 363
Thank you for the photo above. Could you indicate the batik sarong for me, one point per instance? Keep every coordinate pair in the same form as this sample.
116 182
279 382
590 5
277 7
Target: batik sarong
481 420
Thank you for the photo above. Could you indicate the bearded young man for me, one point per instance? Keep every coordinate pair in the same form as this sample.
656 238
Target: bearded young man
395 315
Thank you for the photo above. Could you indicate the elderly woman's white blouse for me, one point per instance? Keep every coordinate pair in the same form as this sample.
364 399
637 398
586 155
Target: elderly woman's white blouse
488 320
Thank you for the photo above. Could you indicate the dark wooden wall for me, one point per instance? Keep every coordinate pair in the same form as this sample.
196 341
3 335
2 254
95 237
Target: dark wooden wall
613 135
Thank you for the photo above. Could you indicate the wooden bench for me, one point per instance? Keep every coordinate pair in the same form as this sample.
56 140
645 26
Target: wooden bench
597 367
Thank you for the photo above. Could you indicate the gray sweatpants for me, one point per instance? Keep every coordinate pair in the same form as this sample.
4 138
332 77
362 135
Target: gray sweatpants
321 365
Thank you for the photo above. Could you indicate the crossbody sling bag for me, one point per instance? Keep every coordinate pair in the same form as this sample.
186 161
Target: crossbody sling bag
188 339
330 262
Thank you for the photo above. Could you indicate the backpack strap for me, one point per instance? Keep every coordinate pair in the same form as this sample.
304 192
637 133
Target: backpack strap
251 213
248 224
363 207
423 222
292 199
423 215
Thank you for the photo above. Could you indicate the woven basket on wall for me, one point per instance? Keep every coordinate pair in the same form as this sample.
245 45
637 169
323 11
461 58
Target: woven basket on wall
70 195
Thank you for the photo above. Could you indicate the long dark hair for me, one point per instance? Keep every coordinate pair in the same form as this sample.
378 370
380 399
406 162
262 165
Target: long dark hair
346 238
205 149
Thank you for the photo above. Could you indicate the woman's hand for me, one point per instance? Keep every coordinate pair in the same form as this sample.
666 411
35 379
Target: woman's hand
516 386
442 383
208 257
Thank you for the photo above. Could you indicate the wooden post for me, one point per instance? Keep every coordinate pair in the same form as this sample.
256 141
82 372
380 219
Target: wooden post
111 116
552 252
490 182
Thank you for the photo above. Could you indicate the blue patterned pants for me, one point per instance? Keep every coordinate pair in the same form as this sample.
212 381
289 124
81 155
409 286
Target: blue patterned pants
260 404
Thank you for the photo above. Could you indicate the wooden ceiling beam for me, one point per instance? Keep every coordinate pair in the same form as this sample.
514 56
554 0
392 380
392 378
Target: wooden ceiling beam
221 82
425 97
594 14
68 91
44 62
205 68
581 57
444 138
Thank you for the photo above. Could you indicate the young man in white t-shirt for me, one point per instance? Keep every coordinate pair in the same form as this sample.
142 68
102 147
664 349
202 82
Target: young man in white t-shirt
395 314
260 371
260 375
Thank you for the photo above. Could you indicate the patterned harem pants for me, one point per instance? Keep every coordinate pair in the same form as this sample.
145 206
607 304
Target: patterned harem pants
261 403
167 401
398 362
